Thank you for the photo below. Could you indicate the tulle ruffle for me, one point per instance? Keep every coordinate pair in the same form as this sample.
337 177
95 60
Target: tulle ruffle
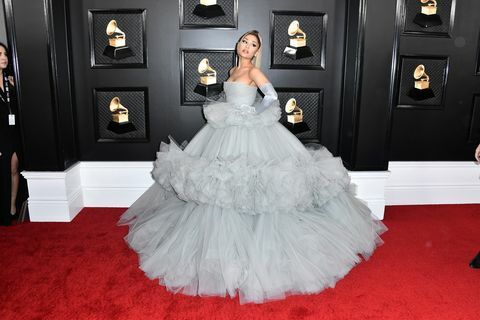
252 186
225 114
245 209
206 250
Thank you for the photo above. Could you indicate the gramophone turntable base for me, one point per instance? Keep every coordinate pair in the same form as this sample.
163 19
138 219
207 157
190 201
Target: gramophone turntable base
208 90
296 128
207 12
120 128
427 21
419 94
118 52
297 53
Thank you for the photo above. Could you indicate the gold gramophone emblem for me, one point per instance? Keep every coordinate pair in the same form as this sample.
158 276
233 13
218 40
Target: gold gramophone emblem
296 115
116 37
207 74
297 49
119 112
429 7
422 80
117 47
298 38
421 89
428 17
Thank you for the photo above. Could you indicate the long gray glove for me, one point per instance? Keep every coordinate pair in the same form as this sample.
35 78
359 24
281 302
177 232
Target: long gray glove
269 98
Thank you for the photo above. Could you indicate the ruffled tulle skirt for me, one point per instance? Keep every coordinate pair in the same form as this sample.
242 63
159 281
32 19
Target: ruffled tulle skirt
248 210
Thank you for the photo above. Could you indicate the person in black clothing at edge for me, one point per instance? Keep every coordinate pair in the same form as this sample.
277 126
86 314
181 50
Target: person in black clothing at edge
475 263
9 142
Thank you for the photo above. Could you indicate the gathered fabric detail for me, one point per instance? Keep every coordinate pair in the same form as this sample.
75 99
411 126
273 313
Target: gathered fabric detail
250 186
225 114
246 209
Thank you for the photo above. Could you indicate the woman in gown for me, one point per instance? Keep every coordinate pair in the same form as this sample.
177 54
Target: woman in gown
245 208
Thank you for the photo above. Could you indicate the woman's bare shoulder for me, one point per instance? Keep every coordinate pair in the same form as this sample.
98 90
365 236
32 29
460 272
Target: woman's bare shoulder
258 76
255 71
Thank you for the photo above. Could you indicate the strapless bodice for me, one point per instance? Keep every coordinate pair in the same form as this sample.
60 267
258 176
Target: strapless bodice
239 93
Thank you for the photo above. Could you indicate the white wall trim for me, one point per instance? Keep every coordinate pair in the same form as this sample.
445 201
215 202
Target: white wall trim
119 184
114 184
54 196
434 182
59 196
370 187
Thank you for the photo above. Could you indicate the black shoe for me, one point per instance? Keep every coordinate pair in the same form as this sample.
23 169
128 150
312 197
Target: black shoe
475 263
5 223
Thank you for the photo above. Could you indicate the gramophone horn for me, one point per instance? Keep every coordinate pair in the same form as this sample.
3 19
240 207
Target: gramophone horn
420 73
113 28
203 66
294 28
290 105
115 105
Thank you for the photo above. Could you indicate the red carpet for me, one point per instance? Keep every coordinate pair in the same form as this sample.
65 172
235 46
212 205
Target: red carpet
84 270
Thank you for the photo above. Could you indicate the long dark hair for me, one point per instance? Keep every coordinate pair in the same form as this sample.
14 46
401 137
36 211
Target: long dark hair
4 46
7 69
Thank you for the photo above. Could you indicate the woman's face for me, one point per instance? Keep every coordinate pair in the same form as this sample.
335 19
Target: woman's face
3 58
248 46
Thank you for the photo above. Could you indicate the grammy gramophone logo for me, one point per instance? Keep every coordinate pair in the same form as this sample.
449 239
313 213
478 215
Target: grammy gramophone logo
207 85
207 74
297 48
208 9
119 112
120 122
294 113
421 89
428 17
117 44
295 121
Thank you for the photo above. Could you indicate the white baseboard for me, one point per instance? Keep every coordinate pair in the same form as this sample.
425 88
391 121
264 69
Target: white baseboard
114 184
54 196
370 187
59 196
55 211
436 182
120 184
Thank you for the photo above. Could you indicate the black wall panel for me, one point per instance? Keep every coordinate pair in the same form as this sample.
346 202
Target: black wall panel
165 41
442 133
360 117
366 115
60 80
39 35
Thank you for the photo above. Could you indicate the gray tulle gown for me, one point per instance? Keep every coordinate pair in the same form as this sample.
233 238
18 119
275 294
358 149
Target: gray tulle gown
246 209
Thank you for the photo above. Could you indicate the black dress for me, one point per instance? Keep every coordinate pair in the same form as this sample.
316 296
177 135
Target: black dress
9 143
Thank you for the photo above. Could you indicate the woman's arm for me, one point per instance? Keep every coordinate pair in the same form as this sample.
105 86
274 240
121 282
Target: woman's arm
477 153
270 95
